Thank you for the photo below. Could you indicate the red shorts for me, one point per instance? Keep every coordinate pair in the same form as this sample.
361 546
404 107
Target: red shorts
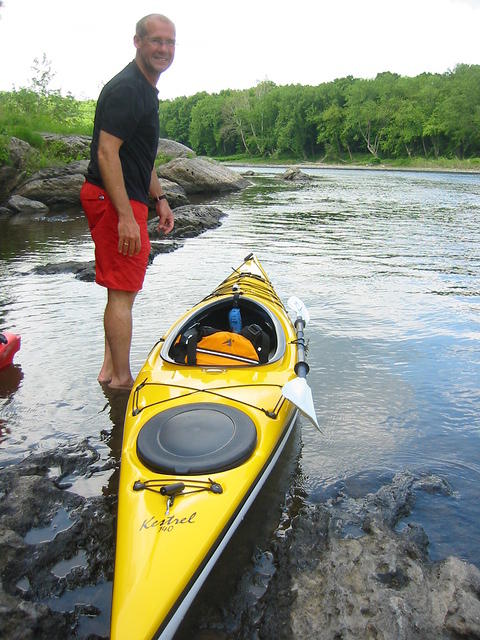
112 269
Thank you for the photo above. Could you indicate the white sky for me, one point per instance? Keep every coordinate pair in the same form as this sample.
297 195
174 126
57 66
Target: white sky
224 45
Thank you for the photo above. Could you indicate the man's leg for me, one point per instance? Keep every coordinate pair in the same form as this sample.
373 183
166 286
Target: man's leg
118 339
105 374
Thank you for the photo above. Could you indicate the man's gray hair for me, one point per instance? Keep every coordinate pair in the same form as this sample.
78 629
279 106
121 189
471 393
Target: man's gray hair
141 27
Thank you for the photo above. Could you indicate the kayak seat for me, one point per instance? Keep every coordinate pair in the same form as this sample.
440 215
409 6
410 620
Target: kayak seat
257 331
209 346
196 439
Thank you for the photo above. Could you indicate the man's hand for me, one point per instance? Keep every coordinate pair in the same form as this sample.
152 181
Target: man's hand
165 216
129 242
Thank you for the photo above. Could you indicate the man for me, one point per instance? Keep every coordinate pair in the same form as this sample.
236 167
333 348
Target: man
120 178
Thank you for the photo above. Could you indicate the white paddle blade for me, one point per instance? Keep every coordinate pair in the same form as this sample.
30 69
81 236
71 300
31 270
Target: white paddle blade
297 307
299 393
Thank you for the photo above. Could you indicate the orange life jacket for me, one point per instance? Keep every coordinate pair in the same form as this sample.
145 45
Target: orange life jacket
225 347
204 345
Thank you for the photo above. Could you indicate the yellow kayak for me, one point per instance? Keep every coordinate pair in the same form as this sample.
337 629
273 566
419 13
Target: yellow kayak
206 421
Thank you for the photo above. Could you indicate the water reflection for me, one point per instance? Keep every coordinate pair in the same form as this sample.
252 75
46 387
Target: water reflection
388 265
22 236
116 406
10 380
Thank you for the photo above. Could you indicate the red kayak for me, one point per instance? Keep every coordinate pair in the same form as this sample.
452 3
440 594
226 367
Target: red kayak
9 345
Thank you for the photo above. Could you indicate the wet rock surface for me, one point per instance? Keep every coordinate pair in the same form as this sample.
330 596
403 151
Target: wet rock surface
340 569
31 208
378 582
58 187
42 526
199 175
173 149
13 173
190 221
296 175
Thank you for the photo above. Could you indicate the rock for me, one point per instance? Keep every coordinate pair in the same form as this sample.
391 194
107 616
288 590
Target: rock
248 173
10 177
157 248
172 149
25 206
5 212
72 168
198 175
318 581
68 145
190 221
19 150
23 620
84 271
295 174
341 570
375 587
13 173
176 195
42 524
346 572
55 187
59 187
460 602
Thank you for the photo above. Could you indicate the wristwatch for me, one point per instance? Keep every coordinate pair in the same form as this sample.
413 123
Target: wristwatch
158 198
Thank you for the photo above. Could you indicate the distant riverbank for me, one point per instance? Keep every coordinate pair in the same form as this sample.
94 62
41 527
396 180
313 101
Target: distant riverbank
458 166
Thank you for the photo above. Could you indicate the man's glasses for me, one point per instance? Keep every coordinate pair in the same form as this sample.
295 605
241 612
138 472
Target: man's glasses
160 42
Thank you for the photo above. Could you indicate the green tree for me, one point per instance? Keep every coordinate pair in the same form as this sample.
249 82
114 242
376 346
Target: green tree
289 126
175 117
368 113
459 112
205 125
236 119
430 90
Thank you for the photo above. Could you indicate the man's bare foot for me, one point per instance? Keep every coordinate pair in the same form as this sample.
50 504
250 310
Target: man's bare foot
105 374
126 386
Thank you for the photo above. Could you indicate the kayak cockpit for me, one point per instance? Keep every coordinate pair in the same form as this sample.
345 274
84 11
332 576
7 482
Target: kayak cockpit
259 325
196 439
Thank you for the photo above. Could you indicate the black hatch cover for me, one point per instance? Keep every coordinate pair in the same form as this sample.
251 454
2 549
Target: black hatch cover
196 439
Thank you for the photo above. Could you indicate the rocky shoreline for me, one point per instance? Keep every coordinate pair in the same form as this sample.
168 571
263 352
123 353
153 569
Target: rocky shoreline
341 569
190 221
57 189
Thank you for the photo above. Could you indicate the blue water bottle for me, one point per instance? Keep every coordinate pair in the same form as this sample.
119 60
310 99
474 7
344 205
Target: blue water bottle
234 316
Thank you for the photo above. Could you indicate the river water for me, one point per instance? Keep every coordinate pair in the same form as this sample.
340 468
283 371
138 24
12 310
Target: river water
388 264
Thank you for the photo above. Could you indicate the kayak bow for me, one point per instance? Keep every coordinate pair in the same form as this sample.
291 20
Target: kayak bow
199 441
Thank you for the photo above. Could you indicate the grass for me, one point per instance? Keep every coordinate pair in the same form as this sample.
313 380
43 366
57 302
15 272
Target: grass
454 164
363 160
25 114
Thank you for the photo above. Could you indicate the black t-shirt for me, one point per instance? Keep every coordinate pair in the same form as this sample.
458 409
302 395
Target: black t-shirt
128 109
